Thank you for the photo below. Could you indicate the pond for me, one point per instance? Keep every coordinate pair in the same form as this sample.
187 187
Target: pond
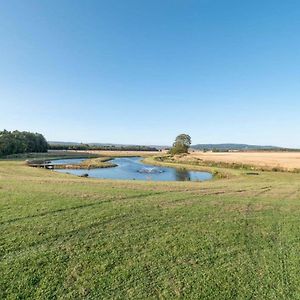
133 168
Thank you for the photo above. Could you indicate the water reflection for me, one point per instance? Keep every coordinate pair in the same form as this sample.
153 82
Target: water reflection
134 168
182 175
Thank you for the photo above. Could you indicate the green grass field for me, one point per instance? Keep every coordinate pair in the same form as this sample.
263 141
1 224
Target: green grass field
65 237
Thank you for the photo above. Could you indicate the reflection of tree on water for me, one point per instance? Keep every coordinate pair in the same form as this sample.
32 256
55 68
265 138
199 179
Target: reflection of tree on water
182 175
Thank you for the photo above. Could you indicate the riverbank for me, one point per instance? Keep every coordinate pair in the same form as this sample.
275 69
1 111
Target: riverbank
94 163
234 163
170 161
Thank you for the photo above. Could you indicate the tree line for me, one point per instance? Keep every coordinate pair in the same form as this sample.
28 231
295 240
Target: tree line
100 147
15 142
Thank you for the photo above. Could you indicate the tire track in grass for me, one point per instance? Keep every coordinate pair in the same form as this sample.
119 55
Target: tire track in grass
80 206
283 259
293 195
263 191
61 236
55 241
283 287
249 237
57 238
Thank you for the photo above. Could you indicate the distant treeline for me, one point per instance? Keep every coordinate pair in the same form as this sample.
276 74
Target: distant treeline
15 142
100 147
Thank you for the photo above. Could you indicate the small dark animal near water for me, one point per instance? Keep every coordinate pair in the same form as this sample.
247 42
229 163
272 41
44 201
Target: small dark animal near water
84 175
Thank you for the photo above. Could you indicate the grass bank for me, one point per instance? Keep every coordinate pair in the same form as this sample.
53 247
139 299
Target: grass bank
170 161
222 168
74 238
93 163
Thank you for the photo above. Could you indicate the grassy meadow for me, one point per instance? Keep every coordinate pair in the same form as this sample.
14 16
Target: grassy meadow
65 237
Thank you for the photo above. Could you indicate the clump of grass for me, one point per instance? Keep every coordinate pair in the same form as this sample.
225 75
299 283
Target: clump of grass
220 175
100 162
93 163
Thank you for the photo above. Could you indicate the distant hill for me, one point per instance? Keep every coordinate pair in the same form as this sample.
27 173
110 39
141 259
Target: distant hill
238 147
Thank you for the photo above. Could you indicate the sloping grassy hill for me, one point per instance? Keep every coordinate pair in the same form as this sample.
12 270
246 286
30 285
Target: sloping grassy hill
73 238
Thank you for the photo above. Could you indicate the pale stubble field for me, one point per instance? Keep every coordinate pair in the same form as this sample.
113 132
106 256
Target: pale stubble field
286 160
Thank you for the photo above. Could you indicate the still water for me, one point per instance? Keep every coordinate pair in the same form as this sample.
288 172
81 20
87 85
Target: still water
133 168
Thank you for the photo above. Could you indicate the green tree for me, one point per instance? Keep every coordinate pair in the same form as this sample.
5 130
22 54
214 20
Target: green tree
182 144
13 142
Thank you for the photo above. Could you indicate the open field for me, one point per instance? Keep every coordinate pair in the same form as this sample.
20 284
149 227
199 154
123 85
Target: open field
67 237
284 160
123 153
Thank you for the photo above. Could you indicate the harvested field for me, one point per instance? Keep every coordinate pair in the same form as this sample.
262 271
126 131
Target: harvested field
285 160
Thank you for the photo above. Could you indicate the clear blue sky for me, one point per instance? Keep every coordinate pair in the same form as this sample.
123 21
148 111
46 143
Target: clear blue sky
142 72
